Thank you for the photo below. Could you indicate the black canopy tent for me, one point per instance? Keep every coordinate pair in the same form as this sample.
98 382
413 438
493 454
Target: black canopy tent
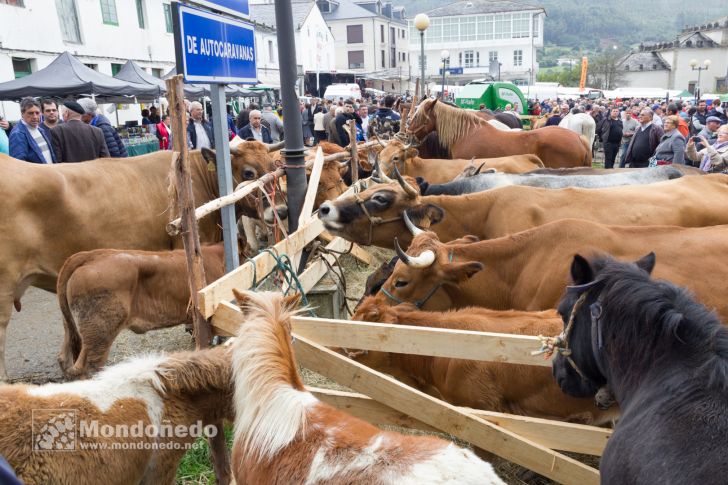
67 76
131 72
201 90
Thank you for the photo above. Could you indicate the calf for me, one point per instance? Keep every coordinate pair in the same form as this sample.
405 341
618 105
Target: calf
59 433
492 386
104 291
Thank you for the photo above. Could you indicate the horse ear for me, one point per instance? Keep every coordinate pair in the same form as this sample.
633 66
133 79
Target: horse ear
292 301
240 296
647 262
581 270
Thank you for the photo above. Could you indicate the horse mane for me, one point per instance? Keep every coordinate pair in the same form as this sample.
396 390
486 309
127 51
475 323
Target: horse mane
659 322
453 123
270 400
196 372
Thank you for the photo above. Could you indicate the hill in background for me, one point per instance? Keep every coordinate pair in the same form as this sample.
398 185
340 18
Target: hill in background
584 24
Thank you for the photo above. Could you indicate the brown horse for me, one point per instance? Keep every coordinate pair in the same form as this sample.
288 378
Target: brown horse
467 135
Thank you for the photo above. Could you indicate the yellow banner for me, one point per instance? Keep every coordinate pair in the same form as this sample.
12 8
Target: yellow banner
584 66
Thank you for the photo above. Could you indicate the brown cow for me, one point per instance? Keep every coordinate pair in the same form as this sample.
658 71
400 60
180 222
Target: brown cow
529 270
506 388
687 201
437 171
104 291
185 391
51 212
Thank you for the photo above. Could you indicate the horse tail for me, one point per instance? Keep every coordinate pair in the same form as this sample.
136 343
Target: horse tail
587 162
72 342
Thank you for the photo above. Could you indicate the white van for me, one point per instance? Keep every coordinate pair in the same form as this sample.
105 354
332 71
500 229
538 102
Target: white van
345 91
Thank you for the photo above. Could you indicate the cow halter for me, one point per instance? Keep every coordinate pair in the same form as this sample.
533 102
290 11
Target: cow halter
422 301
374 221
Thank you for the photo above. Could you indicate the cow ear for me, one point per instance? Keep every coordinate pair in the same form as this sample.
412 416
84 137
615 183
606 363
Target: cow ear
425 215
646 262
412 153
208 155
367 164
458 272
581 271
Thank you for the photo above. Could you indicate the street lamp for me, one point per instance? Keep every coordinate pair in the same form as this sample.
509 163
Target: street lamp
694 65
422 21
445 56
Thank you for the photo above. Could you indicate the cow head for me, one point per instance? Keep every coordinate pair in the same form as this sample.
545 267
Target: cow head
250 160
427 269
374 216
396 154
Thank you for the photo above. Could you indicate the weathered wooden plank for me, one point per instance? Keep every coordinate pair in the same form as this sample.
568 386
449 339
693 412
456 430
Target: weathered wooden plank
556 435
443 416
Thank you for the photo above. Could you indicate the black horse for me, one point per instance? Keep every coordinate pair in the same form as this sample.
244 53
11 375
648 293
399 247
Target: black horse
665 357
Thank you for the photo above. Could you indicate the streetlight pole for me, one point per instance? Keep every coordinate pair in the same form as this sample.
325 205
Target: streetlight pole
445 56
422 21
694 65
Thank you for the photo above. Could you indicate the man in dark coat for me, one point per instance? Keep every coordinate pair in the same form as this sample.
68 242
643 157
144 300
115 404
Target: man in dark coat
341 120
255 130
74 140
644 141
28 141
610 132
112 138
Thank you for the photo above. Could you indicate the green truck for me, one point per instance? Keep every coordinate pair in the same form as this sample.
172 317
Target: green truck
494 95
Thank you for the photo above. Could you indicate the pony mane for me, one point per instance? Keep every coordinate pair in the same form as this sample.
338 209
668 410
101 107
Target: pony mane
270 400
451 122
660 322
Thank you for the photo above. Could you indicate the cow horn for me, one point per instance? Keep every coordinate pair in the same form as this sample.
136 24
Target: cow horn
275 146
380 173
411 225
477 171
424 260
405 186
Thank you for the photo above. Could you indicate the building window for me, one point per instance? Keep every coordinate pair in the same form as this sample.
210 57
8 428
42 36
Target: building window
356 59
517 57
95 67
140 13
168 17
271 52
383 64
14 3
536 24
392 36
157 72
381 33
68 19
520 27
108 12
469 57
354 34
392 57
115 68
22 67
467 28
492 56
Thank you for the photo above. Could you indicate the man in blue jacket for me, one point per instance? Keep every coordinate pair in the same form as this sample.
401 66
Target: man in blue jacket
27 141
112 138
255 130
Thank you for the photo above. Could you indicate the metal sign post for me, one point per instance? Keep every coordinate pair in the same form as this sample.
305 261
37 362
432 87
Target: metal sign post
214 49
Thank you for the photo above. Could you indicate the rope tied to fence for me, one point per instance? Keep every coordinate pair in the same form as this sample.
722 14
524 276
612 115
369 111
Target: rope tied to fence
319 250
284 267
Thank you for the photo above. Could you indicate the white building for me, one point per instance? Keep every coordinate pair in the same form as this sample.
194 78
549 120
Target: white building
667 65
315 44
103 34
477 33
371 40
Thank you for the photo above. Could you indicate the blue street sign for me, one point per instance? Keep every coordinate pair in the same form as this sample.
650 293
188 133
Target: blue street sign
238 8
213 49
453 70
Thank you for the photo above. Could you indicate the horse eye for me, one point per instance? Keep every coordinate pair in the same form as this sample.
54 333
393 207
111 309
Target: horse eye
400 284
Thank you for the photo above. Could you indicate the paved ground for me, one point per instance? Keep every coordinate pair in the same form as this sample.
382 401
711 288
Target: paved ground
35 336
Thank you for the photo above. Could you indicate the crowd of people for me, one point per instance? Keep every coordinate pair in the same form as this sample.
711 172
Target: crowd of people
636 132
643 132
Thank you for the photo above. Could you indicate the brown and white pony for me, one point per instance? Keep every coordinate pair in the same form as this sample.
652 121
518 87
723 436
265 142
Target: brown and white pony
466 135
66 433
283 434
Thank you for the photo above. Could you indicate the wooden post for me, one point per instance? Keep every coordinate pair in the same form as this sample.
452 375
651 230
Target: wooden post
354 152
191 240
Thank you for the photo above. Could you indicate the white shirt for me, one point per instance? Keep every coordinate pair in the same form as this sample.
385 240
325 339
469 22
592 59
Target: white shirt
42 144
257 134
203 141
656 120
318 121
